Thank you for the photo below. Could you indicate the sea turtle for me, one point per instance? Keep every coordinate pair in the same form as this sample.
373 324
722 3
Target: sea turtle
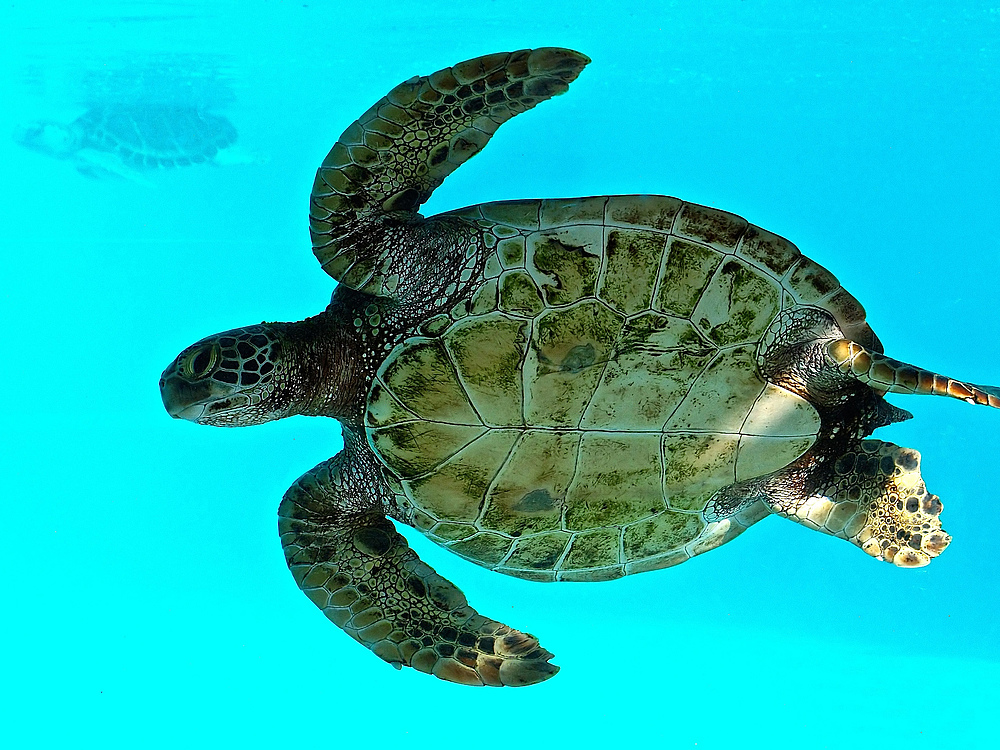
559 390
124 141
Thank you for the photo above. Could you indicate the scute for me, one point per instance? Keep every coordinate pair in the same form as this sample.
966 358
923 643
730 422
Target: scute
529 493
565 262
649 373
737 305
569 349
720 397
605 389
696 466
488 352
687 270
618 480
454 489
632 262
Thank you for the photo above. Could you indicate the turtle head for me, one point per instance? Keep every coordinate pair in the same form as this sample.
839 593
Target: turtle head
47 137
232 379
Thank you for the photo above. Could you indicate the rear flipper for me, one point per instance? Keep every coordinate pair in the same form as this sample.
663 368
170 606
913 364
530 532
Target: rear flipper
360 572
876 499
886 375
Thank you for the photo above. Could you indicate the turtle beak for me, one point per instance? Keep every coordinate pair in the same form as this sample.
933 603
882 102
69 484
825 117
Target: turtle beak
183 399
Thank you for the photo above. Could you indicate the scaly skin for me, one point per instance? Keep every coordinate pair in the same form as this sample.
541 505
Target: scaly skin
398 270
341 549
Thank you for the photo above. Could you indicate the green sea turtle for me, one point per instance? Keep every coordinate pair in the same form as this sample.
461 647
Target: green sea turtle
124 141
566 390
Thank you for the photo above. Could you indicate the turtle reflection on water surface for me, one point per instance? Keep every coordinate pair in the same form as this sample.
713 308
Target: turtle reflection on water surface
559 390
126 141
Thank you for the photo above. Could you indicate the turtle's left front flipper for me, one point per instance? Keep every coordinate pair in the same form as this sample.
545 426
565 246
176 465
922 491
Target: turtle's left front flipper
386 164
354 565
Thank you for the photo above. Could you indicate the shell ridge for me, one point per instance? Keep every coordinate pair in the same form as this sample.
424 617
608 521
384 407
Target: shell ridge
746 418
449 355
739 240
493 482
604 370
599 281
525 390
506 557
691 385
716 274
435 469
657 285
674 221
569 488
557 566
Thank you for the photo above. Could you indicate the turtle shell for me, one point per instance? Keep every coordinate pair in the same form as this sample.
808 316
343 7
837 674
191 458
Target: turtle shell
149 138
573 417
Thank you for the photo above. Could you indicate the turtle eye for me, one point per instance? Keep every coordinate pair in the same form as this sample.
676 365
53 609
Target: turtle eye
199 363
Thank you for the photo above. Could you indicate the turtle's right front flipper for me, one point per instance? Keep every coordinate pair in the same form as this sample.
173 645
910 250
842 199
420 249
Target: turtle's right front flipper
394 156
353 564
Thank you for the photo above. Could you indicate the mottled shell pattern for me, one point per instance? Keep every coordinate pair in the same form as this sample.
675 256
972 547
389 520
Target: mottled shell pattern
163 137
572 418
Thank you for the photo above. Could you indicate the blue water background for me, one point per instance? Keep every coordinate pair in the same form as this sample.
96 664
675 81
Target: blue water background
145 600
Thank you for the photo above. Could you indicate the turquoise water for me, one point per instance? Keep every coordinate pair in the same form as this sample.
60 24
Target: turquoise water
146 600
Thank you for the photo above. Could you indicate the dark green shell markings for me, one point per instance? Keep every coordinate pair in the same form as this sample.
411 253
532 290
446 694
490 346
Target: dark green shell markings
559 390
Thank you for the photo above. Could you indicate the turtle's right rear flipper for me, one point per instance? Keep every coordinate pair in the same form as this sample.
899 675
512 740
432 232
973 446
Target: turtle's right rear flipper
888 375
364 577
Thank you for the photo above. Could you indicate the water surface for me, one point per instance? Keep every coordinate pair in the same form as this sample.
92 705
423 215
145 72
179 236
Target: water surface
146 600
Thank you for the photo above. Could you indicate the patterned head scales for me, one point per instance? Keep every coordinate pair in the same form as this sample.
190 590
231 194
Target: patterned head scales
226 380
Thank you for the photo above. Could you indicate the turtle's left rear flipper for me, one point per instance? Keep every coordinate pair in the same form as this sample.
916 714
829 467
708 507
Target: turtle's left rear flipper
875 498
360 571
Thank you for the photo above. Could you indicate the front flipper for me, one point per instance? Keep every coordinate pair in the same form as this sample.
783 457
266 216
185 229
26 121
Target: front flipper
875 498
393 157
358 569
